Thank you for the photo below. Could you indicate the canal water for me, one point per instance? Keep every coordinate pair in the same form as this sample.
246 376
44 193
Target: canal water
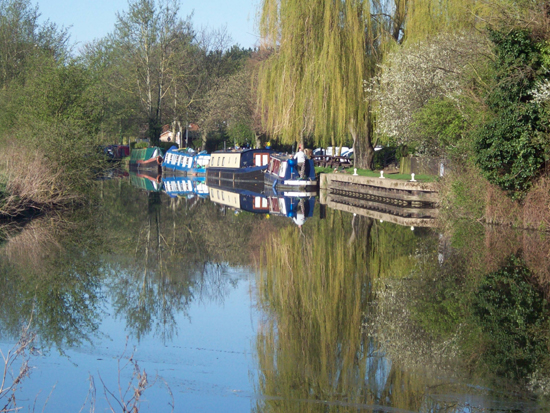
206 308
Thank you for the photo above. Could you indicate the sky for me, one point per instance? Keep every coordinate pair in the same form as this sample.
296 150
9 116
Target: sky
93 19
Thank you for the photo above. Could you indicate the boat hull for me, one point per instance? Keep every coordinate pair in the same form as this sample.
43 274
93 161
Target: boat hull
252 174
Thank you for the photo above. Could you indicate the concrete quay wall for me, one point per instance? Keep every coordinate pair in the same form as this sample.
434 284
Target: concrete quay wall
425 192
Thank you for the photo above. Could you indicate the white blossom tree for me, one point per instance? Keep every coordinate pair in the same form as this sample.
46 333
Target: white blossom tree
415 74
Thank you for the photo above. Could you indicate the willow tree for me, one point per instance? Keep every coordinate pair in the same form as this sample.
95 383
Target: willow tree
313 83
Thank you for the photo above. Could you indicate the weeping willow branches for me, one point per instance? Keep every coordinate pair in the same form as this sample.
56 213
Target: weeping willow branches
312 85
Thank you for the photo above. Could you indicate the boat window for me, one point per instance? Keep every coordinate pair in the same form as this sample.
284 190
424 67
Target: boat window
223 161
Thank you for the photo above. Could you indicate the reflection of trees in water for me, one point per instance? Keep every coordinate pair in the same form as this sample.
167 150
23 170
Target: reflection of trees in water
481 312
156 260
49 272
319 290
365 315
513 316
168 257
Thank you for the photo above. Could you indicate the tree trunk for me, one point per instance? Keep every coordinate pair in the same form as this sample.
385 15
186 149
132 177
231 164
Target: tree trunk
363 152
363 148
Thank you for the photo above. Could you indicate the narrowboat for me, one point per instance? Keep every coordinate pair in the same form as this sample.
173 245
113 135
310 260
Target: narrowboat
146 159
185 162
283 173
183 186
244 165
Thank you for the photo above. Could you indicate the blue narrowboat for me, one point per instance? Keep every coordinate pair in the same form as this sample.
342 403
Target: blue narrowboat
241 165
283 173
185 162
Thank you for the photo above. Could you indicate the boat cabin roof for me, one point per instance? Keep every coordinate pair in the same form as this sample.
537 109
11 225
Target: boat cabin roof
240 158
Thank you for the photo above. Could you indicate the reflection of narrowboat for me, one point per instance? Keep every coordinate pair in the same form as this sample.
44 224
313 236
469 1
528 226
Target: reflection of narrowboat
185 161
246 165
296 207
283 173
146 158
146 180
185 186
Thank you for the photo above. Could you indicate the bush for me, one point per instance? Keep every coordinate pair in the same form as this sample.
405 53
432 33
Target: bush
510 148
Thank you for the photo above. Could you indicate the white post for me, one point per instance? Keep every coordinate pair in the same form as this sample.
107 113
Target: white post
354 171
412 178
382 175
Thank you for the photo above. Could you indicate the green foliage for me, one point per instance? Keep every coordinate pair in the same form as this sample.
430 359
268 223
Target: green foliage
513 316
139 145
22 38
242 134
464 197
323 52
509 148
517 66
438 126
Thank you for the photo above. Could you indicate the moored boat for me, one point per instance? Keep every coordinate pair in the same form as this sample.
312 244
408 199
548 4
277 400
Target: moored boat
185 162
283 173
146 158
243 165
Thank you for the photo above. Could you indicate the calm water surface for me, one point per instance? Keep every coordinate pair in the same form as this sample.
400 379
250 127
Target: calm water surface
243 312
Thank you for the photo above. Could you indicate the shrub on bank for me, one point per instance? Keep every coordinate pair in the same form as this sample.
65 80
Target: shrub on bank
32 184
46 166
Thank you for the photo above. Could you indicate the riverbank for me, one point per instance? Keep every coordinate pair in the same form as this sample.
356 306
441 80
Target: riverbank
31 184
467 196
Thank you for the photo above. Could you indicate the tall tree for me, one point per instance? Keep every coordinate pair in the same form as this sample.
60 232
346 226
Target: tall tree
145 35
312 85
22 38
